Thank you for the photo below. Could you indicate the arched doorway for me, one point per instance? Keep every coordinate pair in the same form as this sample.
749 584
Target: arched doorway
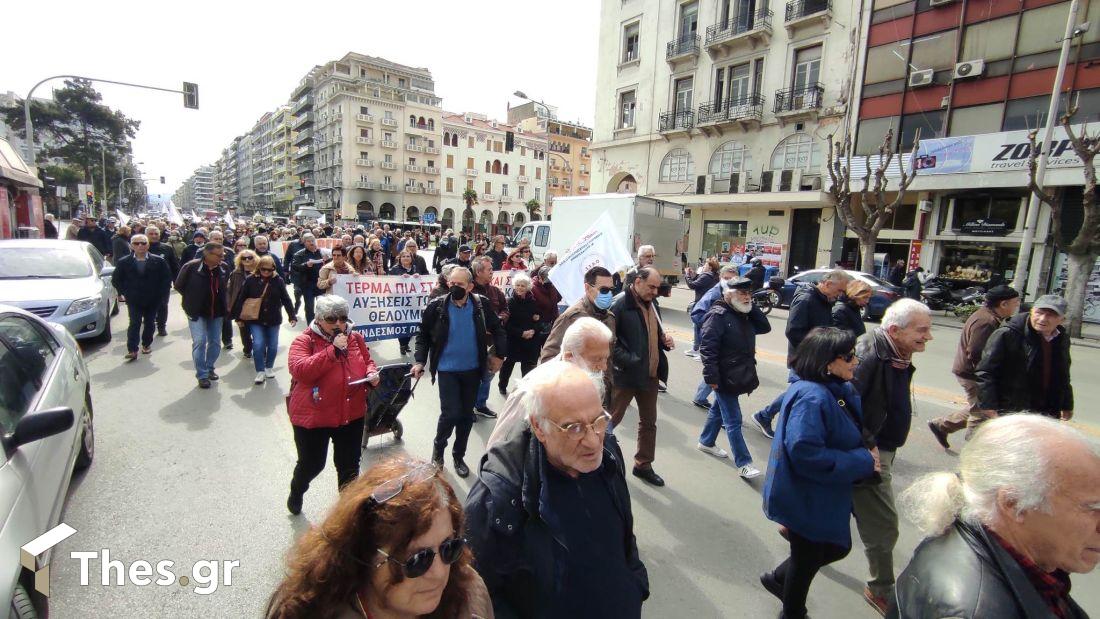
388 211
622 183
448 219
412 214
519 220
365 211
485 221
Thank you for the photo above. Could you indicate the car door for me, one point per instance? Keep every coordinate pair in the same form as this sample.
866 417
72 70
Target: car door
107 290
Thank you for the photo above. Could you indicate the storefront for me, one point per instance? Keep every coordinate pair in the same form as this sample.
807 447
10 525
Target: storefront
977 236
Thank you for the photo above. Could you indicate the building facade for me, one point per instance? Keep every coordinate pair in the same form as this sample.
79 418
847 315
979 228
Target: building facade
725 106
569 157
284 182
504 165
197 192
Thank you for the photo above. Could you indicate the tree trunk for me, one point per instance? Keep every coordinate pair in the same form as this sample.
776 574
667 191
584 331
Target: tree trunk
867 255
1079 269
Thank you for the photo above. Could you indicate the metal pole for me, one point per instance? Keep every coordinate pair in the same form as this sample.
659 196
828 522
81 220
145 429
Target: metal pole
103 160
1019 280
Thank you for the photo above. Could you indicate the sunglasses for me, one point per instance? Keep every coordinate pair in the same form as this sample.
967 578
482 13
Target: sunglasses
247 258
266 270
334 319
847 357
421 561
605 289
138 243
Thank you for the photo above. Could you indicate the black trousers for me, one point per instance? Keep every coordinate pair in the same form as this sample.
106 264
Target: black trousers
162 313
142 319
798 571
509 365
312 445
457 395
227 331
246 336
309 293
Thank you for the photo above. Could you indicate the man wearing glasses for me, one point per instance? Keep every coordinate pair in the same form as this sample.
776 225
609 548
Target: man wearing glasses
598 295
201 283
144 279
164 251
549 517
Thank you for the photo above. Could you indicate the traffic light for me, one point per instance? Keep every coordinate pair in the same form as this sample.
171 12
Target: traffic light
190 95
89 197
301 183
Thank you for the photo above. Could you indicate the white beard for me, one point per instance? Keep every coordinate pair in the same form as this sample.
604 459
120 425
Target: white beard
744 308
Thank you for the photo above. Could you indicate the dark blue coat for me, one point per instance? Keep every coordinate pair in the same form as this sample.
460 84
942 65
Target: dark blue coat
817 454
142 289
809 309
727 347
702 306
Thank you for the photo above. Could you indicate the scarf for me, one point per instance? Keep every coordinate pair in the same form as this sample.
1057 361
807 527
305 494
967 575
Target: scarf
897 360
650 314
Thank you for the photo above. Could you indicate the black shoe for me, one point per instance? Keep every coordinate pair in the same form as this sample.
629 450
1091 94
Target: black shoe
214 376
404 351
485 412
504 391
460 468
771 584
162 332
294 503
763 424
204 383
248 354
649 475
941 436
703 404
662 387
437 457
228 345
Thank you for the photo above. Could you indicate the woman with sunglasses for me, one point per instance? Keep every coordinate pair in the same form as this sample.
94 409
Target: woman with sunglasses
392 546
244 265
817 455
323 406
339 265
265 285
515 261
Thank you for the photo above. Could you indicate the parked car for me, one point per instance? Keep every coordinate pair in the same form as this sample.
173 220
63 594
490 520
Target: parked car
65 282
884 293
46 423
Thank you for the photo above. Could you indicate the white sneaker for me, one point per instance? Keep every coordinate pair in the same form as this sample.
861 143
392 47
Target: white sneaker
748 471
715 450
269 372
259 378
694 354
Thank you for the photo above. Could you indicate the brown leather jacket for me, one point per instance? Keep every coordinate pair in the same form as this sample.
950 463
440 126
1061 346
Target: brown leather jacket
975 333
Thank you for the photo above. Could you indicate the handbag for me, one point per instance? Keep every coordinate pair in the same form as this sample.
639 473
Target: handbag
250 309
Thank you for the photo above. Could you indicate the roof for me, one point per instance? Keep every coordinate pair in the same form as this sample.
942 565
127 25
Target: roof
13 168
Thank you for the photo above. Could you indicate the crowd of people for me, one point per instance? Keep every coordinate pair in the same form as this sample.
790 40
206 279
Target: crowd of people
547 528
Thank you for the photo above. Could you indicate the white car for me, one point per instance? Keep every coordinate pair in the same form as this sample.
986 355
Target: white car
65 282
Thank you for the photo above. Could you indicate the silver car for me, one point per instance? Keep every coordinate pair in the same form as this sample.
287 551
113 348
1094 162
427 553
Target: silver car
65 282
46 419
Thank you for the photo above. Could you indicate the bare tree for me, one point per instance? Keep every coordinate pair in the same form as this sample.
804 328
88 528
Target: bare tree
1082 250
876 209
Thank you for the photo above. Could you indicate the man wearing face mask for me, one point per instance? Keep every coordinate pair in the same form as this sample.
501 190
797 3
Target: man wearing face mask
598 295
460 338
698 313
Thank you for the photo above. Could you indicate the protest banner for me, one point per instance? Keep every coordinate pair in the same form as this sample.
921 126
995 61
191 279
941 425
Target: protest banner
325 245
600 245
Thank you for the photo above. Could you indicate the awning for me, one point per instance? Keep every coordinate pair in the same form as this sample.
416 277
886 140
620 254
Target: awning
763 199
13 168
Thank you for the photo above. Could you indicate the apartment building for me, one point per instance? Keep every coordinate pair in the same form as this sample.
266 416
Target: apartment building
504 165
569 157
284 181
245 172
197 192
725 106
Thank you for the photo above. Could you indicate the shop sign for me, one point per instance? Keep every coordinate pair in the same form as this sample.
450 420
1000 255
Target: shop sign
914 253
985 227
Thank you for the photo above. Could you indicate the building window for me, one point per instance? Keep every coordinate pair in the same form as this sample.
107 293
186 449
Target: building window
522 151
364 110
807 67
538 194
929 123
538 173
683 88
470 183
488 167
520 192
886 62
991 40
935 51
470 163
450 161
627 102
630 42
522 170
1039 29
797 152
488 187
504 189
729 158
388 158
976 119
676 166
450 185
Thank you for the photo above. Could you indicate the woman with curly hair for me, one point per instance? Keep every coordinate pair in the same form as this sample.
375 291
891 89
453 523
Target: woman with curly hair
357 258
392 546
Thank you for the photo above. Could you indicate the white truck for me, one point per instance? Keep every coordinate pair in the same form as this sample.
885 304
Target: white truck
640 220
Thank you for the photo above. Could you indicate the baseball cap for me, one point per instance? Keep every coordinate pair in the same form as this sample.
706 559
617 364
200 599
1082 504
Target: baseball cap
464 248
1051 302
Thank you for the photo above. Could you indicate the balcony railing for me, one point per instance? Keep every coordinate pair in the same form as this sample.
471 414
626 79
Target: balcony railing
420 126
412 168
683 120
389 122
303 120
431 150
304 168
471 172
414 189
801 99
388 165
389 144
414 148
305 198
366 163
684 46
431 191
731 110
388 187
366 185
505 199
489 197
523 179
364 118
728 29
431 170
364 140
797 9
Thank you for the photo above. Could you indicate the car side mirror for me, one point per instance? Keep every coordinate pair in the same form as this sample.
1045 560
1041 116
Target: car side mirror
106 271
37 426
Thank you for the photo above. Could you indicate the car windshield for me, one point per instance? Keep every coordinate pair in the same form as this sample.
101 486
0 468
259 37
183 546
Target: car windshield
43 263
874 280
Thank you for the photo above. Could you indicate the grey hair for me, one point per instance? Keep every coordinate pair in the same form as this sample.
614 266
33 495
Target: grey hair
548 254
308 236
329 305
408 243
1012 454
521 278
542 381
479 263
901 313
460 269
149 229
836 275
260 237
134 237
729 268
583 330
643 249
210 247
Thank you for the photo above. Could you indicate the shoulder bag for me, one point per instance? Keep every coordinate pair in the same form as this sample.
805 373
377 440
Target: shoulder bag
250 309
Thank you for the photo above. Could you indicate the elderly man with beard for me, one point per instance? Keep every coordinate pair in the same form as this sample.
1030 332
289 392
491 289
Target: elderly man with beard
549 517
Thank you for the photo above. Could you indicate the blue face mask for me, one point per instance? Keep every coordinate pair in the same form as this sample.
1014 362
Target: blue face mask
603 300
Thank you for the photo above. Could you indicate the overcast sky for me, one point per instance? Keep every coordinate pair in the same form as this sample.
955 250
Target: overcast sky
248 56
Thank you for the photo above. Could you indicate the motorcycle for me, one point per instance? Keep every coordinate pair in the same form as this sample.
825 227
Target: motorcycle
937 295
768 297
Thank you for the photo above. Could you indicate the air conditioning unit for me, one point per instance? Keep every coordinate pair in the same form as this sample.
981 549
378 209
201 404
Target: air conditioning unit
970 68
939 2
810 182
920 78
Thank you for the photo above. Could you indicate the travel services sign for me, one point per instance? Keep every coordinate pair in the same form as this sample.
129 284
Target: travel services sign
991 152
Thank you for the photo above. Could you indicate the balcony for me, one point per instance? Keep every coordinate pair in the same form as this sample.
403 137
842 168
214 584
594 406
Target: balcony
389 144
431 191
585 172
743 111
304 198
431 170
414 148
412 168
388 165
305 103
303 137
366 185
676 122
471 172
389 122
745 30
431 150
303 120
303 151
304 168
682 48
523 179
366 163
420 126
798 103
807 13
505 199
363 140
366 119
414 189
388 187
489 197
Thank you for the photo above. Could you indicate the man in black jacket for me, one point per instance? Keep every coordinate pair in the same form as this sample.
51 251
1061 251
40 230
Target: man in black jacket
169 255
1025 364
460 338
811 307
307 267
639 363
294 246
98 237
884 381
144 279
194 250
201 283
1003 536
549 517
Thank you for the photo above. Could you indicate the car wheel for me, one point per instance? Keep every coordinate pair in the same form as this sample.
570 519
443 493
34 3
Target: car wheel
114 311
105 335
22 607
87 437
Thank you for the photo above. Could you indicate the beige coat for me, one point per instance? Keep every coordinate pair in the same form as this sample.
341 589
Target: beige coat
328 270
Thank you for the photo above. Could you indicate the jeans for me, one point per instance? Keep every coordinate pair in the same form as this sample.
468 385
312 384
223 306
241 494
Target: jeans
483 390
726 413
457 393
877 522
142 318
312 446
770 411
265 344
703 392
206 344
797 572
695 340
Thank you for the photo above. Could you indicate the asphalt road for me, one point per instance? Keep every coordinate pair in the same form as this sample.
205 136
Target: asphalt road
186 475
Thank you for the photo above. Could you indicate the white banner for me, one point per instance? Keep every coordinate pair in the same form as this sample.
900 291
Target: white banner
123 219
229 222
600 245
173 214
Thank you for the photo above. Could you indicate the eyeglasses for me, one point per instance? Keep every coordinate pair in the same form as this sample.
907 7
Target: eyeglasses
421 561
847 357
138 243
577 430
334 319
605 289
